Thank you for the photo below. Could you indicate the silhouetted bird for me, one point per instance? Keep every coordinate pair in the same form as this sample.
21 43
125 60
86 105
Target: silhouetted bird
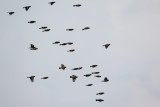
33 47
77 5
44 78
73 77
56 42
100 93
89 84
31 78
78 68
93 66
95 72
43 27
105 79
106 45
87 75
51 3
97 76
27 8
86 28
10 13
46 30
63 44
32 22
62 67
100 100
72 50
69 29
69 43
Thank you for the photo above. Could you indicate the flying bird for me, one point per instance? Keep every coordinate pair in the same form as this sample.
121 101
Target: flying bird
77 5
27 8
100 100
78 68
46 30
73 77
51 3
32 22
33 47
43 27
87 75
95 72
105 79
93 66
69 29
69 43
89 84
10 13
86 28
72 50
31 78
44 78
56 42
100 93
62 67
63 44
97 76
106 45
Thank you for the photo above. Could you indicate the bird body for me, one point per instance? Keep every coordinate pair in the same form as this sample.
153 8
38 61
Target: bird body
62 67
27 7
32 22
43 27
73 77
69 29
72 50
69 43
10 13
33 47
77 5
46 30
89 84
100 93
106 45
31 78
95 72
100 100
78 68
87 75
51 3
97 76
105 79
93 66
56 42
63 44
86 28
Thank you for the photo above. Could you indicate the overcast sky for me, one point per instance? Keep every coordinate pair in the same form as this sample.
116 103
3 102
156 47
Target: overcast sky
132 62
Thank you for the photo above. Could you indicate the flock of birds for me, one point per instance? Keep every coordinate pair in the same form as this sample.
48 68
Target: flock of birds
63 67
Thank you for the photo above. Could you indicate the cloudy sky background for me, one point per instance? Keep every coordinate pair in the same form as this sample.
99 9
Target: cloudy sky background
131 63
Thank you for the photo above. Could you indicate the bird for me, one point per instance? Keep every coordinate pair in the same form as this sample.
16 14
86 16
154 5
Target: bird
27 7
87 75
97 76
31 78
44 78
69 29
43 27
51 3
86 28
100 93
106 45
63 44
10 13
33 47
71 50
89 84
32 22
46 30
93 66
62 67
78 68
69 43
56 42
73 77
77 5
100 100
105 79
95 72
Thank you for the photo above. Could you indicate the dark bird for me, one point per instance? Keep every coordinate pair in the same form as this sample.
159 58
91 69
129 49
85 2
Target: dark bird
32 22
63 44
44 78
69 43
51 3
89 84
33 47
10 13
106 45
46 30
56 42
105 79
100 100
86 28
93 66
69 29
77 5
87 75
43 27
27 8
73 77
78 68
100 93
95 72
72 50
62 67
31 78
97 76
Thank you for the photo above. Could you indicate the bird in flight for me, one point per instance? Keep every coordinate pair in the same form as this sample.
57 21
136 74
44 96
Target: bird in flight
97 76
100 100
69 29
77 5
32 22
33 47
87 75
62 67
46 30
106 45
27 7
51 3
69 43
105 79
10 13
71 50
56 42
44 78
93 66
78 68
31 78
63 44
86 28
43 27
73 77
95 72
89 84
100 93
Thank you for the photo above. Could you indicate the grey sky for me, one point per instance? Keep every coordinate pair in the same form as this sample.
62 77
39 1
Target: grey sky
131 63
